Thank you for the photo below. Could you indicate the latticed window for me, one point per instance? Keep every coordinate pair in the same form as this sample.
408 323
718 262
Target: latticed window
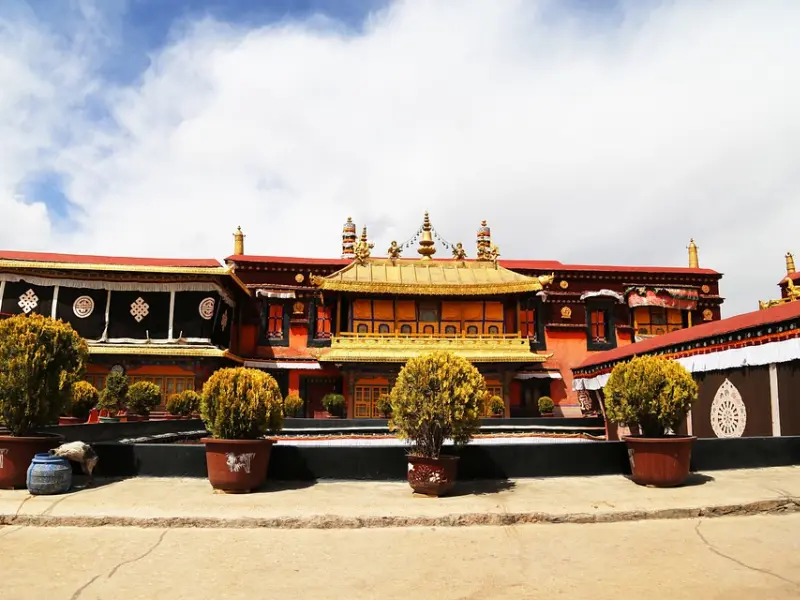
655 320
527 322
366 397
275 322
598 326
169 385
322 329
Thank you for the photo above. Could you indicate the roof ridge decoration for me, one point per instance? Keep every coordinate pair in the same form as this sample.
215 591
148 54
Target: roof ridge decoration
792 295
428 277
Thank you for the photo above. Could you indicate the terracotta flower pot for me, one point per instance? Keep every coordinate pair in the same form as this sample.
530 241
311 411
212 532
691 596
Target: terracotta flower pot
660 462
432 476
71 421
237 466
16 454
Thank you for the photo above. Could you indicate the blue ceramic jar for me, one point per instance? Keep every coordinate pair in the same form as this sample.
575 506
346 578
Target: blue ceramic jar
49 475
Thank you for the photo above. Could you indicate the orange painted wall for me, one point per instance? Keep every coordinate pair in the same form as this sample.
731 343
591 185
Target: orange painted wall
569 350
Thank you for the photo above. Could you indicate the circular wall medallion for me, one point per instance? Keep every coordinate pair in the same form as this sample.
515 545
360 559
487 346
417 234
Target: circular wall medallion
728 412
564 284
119 369
206 308
566 312
299 278
707 314
705 289
83 306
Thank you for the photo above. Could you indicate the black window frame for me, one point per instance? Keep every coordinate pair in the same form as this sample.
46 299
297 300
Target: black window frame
535 303
607 306
264 339
313 340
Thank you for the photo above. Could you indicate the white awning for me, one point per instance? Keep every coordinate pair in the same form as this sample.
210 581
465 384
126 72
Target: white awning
282 294
540 375
282 364
735 358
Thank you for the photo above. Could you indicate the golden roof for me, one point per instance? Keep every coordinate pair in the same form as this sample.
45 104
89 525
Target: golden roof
387 348
162 350
428 277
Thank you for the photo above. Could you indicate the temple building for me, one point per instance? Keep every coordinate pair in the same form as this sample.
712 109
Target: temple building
348 324
171 322
747 368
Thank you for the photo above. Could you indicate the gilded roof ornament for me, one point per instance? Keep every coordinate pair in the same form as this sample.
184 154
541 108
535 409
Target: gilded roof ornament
458 252
394 250
792 295
694 262
789 263
427 246
363 248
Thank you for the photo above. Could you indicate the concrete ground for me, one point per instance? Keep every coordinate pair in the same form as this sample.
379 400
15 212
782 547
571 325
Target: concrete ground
728 558
191 502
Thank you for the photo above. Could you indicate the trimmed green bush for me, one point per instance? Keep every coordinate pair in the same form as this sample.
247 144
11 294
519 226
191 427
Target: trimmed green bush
115 395
437 396
143 396
496 405
546 405
84 399
40 360
185 403
649 391
384 405
334 404
241 404
293 405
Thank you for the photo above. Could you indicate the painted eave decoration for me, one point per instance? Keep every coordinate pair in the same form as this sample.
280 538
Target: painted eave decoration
432 277
398 349
683 298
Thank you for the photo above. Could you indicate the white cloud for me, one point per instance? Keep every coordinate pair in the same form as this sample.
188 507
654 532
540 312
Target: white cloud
577 142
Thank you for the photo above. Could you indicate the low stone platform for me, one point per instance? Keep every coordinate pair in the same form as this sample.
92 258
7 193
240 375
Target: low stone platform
155 502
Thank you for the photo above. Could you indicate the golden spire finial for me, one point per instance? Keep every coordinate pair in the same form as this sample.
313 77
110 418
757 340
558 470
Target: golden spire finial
694 262
238 242
789 263
426 243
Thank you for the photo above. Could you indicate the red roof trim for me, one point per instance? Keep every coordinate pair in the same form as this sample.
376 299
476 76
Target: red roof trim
88 259
794 276
759 318
532 265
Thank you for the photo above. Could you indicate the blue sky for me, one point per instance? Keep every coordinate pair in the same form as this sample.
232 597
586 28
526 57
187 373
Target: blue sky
586 131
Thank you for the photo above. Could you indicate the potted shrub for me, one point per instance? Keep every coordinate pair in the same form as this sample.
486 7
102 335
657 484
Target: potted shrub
84 399
183 404
41 360
113 397
496 406
654 394
239 407
335 405
143 396
546 406
293 405
384 405
437 396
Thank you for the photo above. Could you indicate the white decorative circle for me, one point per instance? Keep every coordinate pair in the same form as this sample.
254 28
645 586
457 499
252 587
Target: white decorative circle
206 308
83 306
728 412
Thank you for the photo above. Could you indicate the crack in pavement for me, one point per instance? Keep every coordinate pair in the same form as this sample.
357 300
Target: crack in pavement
79 591
133 560
10 531
111 573
713 549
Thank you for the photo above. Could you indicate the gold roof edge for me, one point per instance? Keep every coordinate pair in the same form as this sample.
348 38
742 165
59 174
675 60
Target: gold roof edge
32 264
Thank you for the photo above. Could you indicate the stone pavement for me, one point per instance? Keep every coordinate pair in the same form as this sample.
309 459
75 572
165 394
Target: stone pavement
153 502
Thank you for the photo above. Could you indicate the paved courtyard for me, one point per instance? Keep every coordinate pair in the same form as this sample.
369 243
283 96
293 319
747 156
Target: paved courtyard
728 558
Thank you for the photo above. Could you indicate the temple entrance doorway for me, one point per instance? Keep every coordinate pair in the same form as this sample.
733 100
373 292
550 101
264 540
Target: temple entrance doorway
314 389
532 389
